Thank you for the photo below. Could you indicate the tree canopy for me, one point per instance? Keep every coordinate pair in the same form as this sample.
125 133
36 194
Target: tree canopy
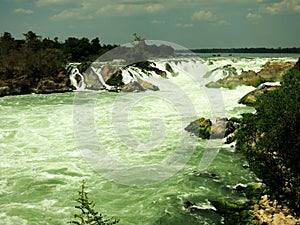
37 56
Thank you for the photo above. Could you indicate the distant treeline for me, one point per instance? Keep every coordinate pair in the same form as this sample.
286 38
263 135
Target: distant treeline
248 50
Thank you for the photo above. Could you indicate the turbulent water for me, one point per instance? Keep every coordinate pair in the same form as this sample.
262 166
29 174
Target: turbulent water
42 166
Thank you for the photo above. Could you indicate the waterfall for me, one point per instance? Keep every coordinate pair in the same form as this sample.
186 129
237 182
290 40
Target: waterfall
73 71
99 73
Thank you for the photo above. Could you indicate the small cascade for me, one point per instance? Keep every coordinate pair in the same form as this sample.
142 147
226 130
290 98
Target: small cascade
97 71
73 71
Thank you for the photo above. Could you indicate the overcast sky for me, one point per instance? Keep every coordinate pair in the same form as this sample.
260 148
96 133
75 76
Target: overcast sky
190 23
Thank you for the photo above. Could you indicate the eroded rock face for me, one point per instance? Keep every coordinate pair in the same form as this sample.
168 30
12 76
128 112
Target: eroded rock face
271 72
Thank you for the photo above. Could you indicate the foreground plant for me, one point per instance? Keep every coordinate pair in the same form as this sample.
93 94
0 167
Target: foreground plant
87 214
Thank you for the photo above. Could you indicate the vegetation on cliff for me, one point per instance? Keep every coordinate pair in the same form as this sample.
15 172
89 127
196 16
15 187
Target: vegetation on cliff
271 143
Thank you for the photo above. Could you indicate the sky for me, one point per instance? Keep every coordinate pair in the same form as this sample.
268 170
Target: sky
189 23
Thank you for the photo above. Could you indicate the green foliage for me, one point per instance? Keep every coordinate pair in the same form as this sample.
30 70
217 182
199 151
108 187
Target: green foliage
271 142
87 214
137 37
37 65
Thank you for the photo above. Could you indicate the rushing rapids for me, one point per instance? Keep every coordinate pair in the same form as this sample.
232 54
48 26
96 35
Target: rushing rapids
42 165
116 75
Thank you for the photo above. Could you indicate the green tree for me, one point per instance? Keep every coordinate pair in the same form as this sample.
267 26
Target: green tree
87 214
33 40
77 49
137 37
95 45
7 42
271 142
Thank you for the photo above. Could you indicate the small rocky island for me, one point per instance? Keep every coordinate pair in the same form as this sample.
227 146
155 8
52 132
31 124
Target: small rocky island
271 72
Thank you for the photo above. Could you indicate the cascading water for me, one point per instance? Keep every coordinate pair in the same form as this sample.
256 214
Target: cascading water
41 167
73 71
131 73
217 69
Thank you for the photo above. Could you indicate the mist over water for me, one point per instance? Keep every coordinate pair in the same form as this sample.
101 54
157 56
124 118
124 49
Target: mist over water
42 166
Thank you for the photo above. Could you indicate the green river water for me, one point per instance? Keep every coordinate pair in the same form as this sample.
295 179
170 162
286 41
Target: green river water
42 169
42 166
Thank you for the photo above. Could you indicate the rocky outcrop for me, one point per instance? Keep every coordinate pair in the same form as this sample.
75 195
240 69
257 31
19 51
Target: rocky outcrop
115 76
112 76
44 85
271 72
222 127
251 98
139 86
270 212
200 127
148 67
147 85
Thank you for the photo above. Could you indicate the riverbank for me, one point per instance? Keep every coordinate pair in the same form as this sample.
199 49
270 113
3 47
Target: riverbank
19 85
269 140
277 203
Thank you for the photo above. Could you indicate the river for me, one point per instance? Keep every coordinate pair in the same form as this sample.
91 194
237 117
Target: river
43 164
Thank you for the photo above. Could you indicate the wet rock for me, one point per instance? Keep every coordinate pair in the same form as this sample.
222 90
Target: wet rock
205 129
4 90
200 127
115 79
133 86
271 72
23 84
251 98
170 69
218 129
147 66
139 86
147 85
92 81
206 175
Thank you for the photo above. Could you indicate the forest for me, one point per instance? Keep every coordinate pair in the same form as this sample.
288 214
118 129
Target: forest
37 56
37 65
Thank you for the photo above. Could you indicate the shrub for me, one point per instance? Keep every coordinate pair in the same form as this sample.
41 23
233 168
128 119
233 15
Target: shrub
270 140
87 214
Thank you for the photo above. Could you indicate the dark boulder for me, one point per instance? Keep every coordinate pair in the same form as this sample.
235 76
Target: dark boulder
205 129
200 127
